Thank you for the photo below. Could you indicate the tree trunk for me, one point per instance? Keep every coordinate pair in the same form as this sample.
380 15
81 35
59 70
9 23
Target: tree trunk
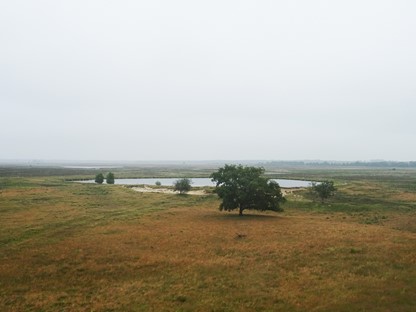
241 211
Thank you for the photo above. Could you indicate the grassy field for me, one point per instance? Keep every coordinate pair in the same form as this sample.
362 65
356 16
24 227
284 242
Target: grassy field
75 247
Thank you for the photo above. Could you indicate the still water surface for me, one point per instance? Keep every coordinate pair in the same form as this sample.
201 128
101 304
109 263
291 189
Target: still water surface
197 182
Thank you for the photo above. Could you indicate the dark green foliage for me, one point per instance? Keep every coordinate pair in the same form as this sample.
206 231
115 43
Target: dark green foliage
99 178
110 178
158 183
182 185
246 188
324 189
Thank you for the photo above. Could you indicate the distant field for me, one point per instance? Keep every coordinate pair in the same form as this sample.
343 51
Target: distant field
79 247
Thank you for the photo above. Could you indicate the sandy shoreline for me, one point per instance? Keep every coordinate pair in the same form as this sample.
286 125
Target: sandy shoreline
146 189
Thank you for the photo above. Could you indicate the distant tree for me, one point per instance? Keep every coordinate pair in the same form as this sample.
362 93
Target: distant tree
182 185
158 183
110 178
246 188
99 178
324 189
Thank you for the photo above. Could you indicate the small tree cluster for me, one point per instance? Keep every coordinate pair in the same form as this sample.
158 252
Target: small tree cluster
99 178
324 189
182 185
110 178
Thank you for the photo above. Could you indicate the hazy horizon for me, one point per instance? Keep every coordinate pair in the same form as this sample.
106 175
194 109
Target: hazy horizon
183 80
191 161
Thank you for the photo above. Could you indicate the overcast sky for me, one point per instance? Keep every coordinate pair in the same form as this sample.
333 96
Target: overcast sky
204 80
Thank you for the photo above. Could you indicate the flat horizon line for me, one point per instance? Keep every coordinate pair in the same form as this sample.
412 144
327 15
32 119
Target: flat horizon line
120 161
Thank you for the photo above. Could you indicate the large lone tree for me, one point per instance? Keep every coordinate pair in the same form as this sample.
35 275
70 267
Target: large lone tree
242 187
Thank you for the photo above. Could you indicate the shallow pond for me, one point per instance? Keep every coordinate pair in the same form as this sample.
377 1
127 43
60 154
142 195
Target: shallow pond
197 182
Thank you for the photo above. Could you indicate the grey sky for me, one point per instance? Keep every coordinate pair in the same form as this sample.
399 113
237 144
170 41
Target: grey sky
172 80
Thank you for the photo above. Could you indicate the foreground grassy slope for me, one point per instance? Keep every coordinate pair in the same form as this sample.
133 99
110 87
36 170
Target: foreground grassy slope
74 247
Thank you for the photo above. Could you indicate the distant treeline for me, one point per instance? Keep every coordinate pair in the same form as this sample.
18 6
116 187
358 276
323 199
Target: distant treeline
372 164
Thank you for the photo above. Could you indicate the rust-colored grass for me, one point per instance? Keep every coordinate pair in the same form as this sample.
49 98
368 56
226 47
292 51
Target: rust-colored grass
102 256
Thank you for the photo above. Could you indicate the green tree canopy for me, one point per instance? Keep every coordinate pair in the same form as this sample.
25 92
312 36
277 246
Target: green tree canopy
110 178
182 185
99 178
324 189
242 187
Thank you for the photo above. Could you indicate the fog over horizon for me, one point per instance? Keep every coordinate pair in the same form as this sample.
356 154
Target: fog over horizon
218 80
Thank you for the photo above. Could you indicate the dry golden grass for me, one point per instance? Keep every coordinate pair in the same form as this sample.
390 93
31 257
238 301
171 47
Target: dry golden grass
200 259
